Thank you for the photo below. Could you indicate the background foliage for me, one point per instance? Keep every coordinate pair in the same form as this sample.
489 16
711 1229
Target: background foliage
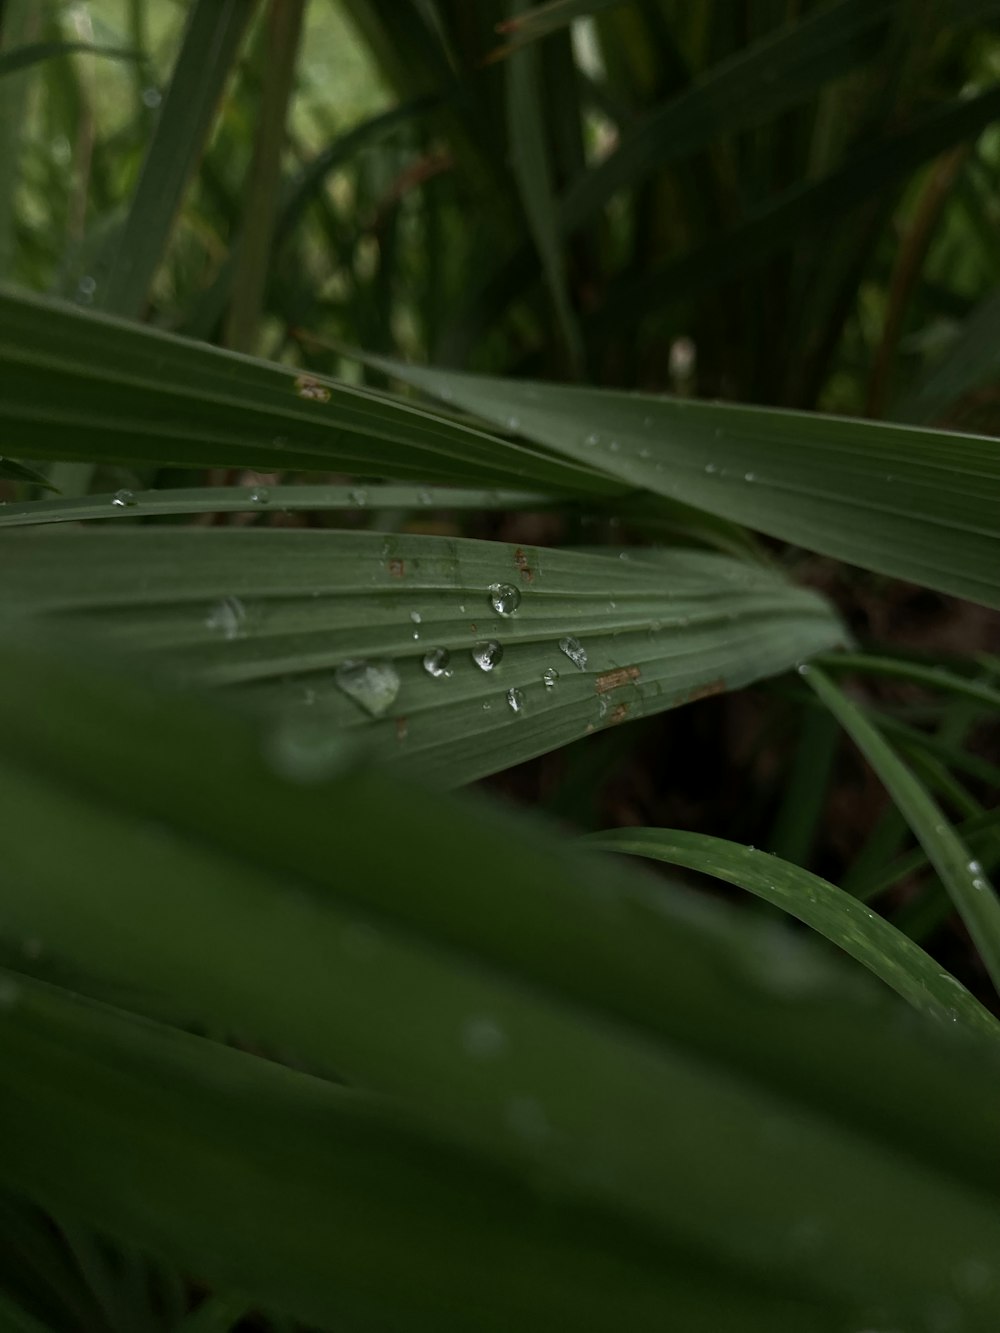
397 395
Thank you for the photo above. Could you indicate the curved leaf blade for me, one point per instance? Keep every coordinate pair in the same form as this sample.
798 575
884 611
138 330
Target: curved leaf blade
831 912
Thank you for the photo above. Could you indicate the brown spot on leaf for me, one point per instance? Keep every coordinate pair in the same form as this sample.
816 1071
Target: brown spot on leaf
706 691
618 714
525 570
612 679
307 386
397 568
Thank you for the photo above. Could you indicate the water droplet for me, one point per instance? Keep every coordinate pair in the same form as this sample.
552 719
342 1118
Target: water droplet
526 1117
151 97
260 495
575 651
749 476
504 598
549 677
591 440
487 706
359 498
487 655
513 424
803 668
85 289
711 467
436 663
975 868
227 617
372 685
515 700
304 749
416 617
425 497
980 884
123 500
483 1038
614 446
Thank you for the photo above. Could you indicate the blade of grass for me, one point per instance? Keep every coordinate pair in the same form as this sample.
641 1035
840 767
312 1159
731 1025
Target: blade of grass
212 38
23 57
280 36
960 873
806 789
823 907
528 135
916 504
263 499
135 394
934 678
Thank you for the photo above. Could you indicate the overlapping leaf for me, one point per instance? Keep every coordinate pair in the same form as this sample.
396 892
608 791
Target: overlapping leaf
917 504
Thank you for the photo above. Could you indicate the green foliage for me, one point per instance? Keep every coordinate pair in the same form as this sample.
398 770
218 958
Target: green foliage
509 399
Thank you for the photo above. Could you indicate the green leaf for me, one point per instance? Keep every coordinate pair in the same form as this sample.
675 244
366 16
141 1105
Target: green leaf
212 37
916 504
679 1081
541 20
13 471
932 677
78 385
836 915
971 360
960 873
260 499
22 57
280 612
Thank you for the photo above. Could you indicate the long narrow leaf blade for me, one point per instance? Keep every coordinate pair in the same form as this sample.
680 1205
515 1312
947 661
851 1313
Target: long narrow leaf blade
916 504
960 873
836 915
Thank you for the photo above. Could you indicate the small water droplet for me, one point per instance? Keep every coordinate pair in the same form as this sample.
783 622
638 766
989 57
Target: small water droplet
85 289
749 476
151 97
416 617
515 700
513 424
549 677
980 884
711 467
487 655
372 685
227 617
975 868
436 663
575 651
260 495
425 497
504 598
483 1038
304 749
359 498
487 706
123 500
803 668
592 439
614 446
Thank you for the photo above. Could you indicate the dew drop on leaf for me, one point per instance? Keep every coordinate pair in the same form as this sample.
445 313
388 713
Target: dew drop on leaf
515 700
436 663
575 651
260 495
227 617
549 677
359 498
487 655
372 685
504 598
123 500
